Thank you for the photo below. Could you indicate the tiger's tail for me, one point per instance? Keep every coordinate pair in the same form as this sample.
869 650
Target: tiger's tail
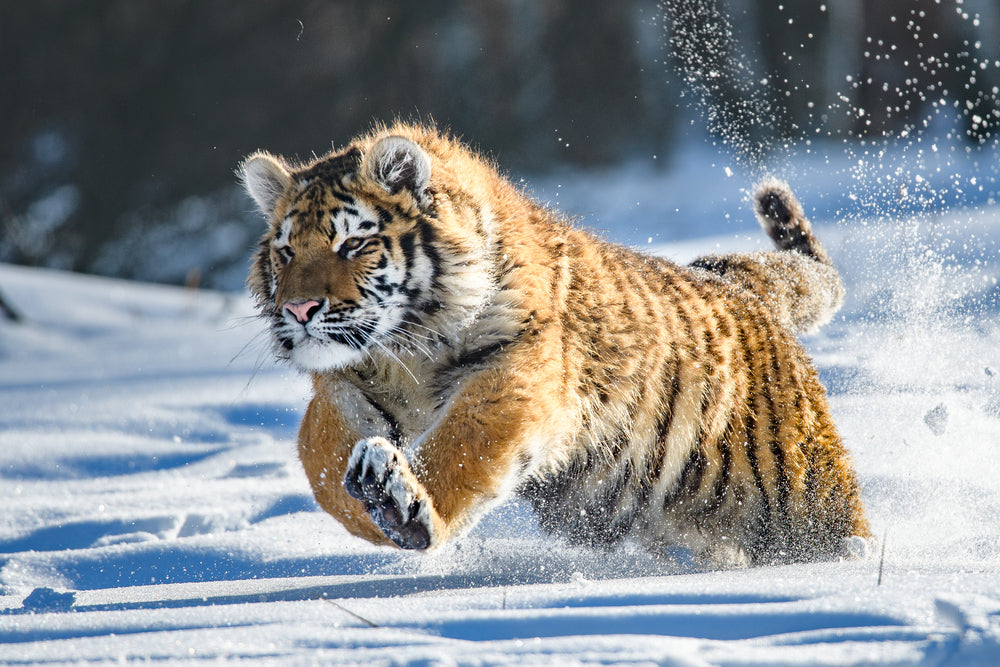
798 281
782 217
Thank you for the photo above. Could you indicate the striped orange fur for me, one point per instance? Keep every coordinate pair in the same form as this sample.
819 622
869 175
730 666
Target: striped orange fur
466 344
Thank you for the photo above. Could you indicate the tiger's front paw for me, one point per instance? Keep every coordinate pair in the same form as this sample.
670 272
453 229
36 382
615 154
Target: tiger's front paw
379 476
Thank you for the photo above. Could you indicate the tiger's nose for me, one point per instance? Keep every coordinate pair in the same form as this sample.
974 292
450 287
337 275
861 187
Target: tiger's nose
303 310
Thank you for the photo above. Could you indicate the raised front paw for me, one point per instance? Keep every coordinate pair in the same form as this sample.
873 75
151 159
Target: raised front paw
379 476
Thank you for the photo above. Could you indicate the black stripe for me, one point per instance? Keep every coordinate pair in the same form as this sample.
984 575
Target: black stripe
765 527
334 167
774 426
763 531
395 432
654 467
784 489
479 355
690 478
722 479
811 479
263 262
431 307
384 217
751 445
346 198
407 244
667 416
427 239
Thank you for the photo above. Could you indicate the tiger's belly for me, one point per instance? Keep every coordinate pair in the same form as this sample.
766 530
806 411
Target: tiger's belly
586 503
634 489
598 501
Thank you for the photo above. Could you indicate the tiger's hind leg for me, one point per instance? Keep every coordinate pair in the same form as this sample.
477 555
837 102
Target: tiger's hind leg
798 281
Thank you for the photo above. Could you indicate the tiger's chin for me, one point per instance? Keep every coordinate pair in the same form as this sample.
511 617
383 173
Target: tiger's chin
317 356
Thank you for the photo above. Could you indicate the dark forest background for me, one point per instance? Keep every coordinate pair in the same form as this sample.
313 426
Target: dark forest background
121 121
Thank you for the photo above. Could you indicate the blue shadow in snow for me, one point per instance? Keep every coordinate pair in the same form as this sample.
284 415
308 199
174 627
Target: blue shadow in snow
84 467
721 624
667 599
256 469
289 504
279 420
83 534
169 562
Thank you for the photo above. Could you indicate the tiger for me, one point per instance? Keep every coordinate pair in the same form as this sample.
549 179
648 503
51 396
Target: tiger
467 345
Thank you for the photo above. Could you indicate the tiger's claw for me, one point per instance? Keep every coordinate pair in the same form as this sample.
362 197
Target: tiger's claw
378 476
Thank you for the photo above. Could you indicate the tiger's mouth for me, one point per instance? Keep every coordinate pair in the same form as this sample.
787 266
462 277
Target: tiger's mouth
327 341
330 351
357 336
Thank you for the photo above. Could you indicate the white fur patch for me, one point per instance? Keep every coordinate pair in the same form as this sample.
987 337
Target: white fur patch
398 161
371 454
265 180
311 354
284 234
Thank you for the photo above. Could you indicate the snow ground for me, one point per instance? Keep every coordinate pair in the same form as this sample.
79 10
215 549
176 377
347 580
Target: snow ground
154 508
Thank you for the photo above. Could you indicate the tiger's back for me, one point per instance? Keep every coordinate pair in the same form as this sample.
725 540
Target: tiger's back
466 343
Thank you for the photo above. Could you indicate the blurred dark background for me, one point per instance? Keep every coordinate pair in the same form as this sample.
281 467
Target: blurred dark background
122 121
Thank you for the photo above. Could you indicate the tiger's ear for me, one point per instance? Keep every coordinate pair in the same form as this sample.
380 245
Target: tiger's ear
399 164
265 179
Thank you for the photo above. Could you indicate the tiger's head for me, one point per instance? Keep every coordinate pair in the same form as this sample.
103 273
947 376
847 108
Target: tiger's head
368 251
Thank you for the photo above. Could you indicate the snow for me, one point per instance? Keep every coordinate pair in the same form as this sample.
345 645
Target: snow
154 507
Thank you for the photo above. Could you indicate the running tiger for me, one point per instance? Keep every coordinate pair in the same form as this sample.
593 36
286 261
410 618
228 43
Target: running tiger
466 344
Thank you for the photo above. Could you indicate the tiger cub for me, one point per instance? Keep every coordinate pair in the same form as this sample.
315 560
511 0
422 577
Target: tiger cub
466 344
